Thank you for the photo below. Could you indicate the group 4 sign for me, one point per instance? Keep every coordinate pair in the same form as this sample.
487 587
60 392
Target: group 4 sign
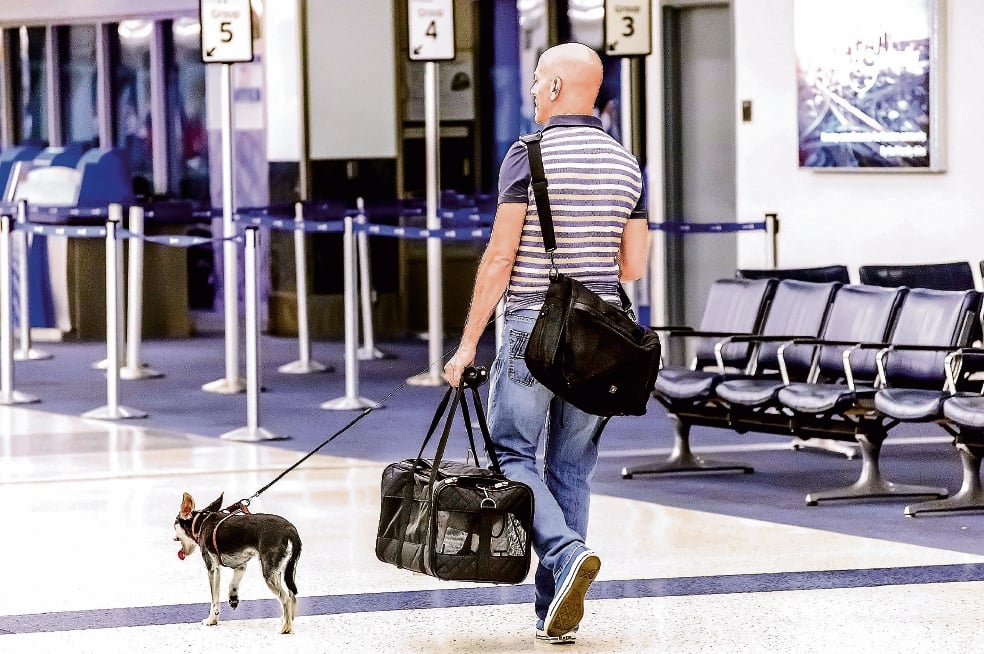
431 25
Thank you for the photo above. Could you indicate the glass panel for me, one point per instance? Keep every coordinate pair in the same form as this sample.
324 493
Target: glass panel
586 19
188 147
77 68
130 62
29 81
533 31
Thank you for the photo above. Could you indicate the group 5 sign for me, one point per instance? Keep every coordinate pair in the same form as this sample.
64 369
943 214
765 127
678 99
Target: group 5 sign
227 31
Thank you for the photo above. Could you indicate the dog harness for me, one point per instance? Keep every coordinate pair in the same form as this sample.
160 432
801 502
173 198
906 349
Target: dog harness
197 536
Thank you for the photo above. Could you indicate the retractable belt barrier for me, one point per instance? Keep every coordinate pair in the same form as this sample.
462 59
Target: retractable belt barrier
674 227
465 224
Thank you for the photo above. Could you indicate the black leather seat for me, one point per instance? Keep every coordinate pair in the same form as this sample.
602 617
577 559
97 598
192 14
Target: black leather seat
928 324
802 313
796 309
836 273
962 416
950 276
875 306
733 306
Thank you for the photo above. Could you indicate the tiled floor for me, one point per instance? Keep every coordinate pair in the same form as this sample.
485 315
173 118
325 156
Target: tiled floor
90 565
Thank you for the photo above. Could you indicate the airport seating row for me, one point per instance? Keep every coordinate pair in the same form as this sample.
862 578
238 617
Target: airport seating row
831 361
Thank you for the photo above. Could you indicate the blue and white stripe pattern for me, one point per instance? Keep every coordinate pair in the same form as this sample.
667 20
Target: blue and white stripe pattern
594 184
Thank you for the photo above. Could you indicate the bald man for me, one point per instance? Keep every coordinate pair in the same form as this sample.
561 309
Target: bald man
599 213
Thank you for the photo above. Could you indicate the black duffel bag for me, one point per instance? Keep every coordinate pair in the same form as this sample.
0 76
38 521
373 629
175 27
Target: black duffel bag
455 520
591 353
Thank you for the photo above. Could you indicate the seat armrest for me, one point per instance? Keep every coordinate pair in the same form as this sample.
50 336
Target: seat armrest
749 338
954 363
671 328
951 350
812 341
846 360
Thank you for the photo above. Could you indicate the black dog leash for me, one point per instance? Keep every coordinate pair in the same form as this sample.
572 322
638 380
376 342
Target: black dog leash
471 376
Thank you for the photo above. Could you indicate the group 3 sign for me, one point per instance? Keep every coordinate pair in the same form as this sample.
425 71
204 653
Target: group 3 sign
628 27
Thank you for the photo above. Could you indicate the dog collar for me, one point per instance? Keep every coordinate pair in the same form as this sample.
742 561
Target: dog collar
197 536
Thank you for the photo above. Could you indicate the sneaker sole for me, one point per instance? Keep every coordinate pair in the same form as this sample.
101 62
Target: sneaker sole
570 607
566 639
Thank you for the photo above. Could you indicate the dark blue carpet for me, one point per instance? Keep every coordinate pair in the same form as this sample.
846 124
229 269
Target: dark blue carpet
491 596
290 406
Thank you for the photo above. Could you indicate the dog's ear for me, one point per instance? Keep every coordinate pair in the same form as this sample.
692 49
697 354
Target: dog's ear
187 506
216 505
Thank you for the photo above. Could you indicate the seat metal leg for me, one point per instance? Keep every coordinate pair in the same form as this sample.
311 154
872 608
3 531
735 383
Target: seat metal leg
682 459
970 497
870 483
827 444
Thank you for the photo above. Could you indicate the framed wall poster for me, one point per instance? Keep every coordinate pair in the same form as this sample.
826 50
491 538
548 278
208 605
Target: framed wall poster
869 82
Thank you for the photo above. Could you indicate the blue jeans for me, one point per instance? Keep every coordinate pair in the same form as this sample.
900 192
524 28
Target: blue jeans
521 412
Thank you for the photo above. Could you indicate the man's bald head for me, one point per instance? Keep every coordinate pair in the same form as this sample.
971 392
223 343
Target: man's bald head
569 77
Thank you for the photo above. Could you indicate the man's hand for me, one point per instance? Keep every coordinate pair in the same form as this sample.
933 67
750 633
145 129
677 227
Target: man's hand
463 357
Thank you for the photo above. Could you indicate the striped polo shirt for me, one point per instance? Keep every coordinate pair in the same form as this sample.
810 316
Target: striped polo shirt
595 186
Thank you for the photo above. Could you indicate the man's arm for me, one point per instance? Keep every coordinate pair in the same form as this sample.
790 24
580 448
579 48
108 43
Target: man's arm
490 283
633 253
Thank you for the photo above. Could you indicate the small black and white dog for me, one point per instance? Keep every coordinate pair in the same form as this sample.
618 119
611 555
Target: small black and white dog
231 538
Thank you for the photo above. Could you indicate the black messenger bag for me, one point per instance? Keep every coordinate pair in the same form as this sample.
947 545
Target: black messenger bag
455 520
587 351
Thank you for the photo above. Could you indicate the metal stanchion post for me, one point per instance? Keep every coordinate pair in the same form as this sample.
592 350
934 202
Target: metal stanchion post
232 383
304 364
435 289
252 431
351 400
134 368
772 236
114 252
8 395
368 351
25 352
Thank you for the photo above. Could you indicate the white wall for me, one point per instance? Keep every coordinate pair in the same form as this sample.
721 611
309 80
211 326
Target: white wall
283 55
351 79
855 218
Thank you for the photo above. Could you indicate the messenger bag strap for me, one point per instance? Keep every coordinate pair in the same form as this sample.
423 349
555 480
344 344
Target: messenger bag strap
539 183
538 180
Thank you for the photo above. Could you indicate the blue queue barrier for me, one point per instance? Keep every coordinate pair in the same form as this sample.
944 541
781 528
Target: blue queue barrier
347 226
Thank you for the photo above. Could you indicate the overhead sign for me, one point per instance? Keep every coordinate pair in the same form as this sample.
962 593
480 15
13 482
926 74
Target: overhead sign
431 25
628 27
227 31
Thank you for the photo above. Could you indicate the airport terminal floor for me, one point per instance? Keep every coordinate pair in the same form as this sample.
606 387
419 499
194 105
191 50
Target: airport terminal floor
708 563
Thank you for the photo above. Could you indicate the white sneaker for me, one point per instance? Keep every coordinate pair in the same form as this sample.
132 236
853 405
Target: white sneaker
567 608
565 639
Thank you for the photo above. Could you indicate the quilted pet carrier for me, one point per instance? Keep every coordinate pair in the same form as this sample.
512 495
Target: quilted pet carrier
455 520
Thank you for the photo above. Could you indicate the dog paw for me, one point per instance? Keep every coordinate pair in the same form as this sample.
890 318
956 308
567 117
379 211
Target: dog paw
234 601
210 621
287 629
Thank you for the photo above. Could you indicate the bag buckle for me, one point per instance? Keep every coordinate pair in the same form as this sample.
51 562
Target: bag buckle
488 503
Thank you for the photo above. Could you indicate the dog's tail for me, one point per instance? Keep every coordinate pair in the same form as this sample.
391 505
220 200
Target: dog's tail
295 553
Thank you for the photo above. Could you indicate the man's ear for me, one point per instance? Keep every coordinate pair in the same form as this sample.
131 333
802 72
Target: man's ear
555 88
187 506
